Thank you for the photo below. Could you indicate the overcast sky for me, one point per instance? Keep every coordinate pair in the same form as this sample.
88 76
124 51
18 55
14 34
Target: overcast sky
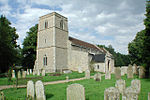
103 22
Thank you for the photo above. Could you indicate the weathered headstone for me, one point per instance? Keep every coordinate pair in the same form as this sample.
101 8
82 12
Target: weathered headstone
43 72
148 95
80 70
120 85
117 73
107 75
130 94
23 74
30 71
97 77
67 78
38 72
2 96
136 84
87 74
130 72
30 90
13 73
135 71
111 93
141 72
19 74
39 89
75 92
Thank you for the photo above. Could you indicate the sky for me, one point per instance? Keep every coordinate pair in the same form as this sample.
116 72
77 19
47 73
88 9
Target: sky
103 22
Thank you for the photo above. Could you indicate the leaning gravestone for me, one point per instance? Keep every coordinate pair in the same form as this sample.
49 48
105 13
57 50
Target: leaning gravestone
30 71
130 94
130 72
111 93
117 73
141 72
107 75
39 89
135 69
87 74
75 92
19 74
97 77
120 85
43 72
13 73
23 74
30 90
136 84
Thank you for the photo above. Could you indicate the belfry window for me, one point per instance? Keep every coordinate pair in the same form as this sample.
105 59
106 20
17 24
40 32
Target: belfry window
45 60
61 24
46 24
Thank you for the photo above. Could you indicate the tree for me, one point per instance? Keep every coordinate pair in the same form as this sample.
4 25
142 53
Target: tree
8 44
120 59
139 48
29 47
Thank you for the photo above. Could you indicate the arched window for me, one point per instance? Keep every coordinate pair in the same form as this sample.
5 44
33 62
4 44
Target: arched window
46 24
45 60
61 24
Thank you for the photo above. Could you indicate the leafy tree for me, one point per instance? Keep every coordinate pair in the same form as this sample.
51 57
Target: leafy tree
120 59
29 47
139 48
8 44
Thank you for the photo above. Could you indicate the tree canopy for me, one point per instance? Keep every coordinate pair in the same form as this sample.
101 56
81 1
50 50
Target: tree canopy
8 44
139 48
29 47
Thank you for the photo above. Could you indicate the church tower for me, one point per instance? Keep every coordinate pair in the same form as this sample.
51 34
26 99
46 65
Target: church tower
52 40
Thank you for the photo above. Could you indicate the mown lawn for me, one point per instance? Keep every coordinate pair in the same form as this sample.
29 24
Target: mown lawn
93 90
47 78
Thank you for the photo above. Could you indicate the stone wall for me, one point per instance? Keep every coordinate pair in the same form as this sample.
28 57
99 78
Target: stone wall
100 67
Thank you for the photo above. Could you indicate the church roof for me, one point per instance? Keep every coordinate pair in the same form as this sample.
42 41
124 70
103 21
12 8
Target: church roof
99 58
82 43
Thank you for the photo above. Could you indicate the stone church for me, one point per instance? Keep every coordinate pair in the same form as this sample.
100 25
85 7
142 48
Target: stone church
57 51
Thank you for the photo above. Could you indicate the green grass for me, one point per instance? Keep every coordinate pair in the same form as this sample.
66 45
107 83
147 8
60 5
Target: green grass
47 78
93 90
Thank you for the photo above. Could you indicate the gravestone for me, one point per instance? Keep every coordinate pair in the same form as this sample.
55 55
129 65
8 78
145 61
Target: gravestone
19 74
141 72
67 71
75 92
135 69
130 94
117 73
13 73
120 85
97 77
107 75
30 90
148 95
28 72
43 72
130 72
111 93
80 70
23 74
67 78
39 89
38 72
87 74
136 84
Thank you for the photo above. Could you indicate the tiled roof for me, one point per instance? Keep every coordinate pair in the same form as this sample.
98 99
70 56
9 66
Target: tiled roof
84 44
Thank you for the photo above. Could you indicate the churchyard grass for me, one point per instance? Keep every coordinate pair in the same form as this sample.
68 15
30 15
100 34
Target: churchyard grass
47 78
94 90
